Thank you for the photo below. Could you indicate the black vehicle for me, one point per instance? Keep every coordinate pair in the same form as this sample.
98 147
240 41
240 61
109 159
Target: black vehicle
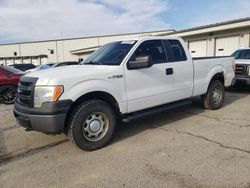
23 67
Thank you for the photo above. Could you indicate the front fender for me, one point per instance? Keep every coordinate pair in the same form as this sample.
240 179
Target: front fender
114 89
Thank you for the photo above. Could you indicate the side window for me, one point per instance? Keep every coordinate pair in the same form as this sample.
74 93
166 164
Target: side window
174 50
153 48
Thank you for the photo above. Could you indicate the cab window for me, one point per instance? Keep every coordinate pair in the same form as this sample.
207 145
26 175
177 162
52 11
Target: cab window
153 48
174 50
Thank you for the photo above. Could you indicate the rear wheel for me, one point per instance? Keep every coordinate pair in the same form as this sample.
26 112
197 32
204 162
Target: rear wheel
215 95
91 125
8 94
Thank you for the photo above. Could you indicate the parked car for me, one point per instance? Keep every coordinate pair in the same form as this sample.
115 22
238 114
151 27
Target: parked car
121 80
242 70
9 78
40 67
23 67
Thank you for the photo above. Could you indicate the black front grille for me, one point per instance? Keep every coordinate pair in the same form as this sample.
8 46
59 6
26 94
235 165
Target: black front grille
241 70
26 91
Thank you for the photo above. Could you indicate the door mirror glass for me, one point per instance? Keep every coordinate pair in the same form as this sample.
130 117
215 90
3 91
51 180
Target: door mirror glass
140 62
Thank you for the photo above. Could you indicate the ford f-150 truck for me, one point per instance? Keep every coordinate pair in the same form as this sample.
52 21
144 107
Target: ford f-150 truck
242 61
120 81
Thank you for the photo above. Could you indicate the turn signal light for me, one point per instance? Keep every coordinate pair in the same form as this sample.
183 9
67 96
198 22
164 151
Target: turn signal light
58 90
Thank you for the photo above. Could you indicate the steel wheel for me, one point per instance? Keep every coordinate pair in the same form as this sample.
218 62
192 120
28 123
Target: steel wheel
216 95
91 124
95 126
8 95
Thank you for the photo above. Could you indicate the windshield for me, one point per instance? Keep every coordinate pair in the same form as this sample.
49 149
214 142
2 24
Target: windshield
12 70
242 54
110 54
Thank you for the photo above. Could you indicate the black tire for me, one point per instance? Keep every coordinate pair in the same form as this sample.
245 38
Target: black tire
8 94
86 116
215 95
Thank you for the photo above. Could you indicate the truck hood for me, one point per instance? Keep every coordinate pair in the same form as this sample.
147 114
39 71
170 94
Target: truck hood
243 61
75 73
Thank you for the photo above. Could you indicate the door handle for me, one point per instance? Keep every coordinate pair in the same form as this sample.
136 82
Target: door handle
169 71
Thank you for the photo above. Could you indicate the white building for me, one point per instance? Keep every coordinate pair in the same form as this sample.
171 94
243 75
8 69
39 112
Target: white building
41 52
219 39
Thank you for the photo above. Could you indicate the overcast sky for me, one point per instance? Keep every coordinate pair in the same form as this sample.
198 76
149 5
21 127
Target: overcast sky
28 20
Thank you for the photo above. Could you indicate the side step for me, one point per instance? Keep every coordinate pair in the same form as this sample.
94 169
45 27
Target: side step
155 110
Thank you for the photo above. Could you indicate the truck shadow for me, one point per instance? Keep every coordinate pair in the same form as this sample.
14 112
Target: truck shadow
126 130
10 157
3 148
241 89
6 154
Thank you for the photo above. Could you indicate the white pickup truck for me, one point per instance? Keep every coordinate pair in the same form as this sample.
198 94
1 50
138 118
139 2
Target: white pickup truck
122 80
242 62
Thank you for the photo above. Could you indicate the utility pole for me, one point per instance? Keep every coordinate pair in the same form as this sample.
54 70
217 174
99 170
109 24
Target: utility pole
62 47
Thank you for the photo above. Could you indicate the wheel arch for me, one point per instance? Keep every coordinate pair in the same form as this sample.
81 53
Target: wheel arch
219 76
216 73
95 95
9 84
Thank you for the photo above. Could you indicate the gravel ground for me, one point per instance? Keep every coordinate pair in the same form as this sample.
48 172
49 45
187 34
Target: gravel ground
186 147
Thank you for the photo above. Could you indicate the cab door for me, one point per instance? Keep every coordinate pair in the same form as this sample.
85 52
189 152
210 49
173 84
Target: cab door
152 86
183 69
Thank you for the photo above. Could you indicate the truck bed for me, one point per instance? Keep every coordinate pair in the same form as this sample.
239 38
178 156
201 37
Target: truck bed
204 68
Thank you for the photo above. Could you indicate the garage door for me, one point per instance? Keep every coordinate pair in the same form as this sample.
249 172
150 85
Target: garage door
198 48
227 45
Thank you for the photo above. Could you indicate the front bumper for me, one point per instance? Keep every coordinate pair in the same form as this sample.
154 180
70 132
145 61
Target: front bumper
49 119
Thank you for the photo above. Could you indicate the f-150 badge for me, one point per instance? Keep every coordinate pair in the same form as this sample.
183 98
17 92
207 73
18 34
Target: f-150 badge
116 76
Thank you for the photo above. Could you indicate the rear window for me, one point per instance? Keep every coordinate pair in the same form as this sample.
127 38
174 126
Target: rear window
175 51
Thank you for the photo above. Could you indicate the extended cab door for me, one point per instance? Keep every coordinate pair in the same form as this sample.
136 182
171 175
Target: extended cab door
182 66
152 86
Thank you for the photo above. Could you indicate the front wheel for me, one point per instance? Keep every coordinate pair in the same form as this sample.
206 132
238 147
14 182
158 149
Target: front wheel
215 95
91 125
8 94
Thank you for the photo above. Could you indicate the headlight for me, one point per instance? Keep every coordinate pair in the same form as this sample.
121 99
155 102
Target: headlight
46 94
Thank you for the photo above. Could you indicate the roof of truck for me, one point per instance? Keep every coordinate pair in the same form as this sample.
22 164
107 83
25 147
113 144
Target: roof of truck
149 37
137 38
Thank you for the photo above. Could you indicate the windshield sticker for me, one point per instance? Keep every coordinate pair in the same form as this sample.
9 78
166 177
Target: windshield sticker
128 42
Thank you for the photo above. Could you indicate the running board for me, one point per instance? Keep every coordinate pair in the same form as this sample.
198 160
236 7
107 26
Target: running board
155 110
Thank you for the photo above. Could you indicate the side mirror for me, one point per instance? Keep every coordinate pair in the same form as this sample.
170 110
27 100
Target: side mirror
140 62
